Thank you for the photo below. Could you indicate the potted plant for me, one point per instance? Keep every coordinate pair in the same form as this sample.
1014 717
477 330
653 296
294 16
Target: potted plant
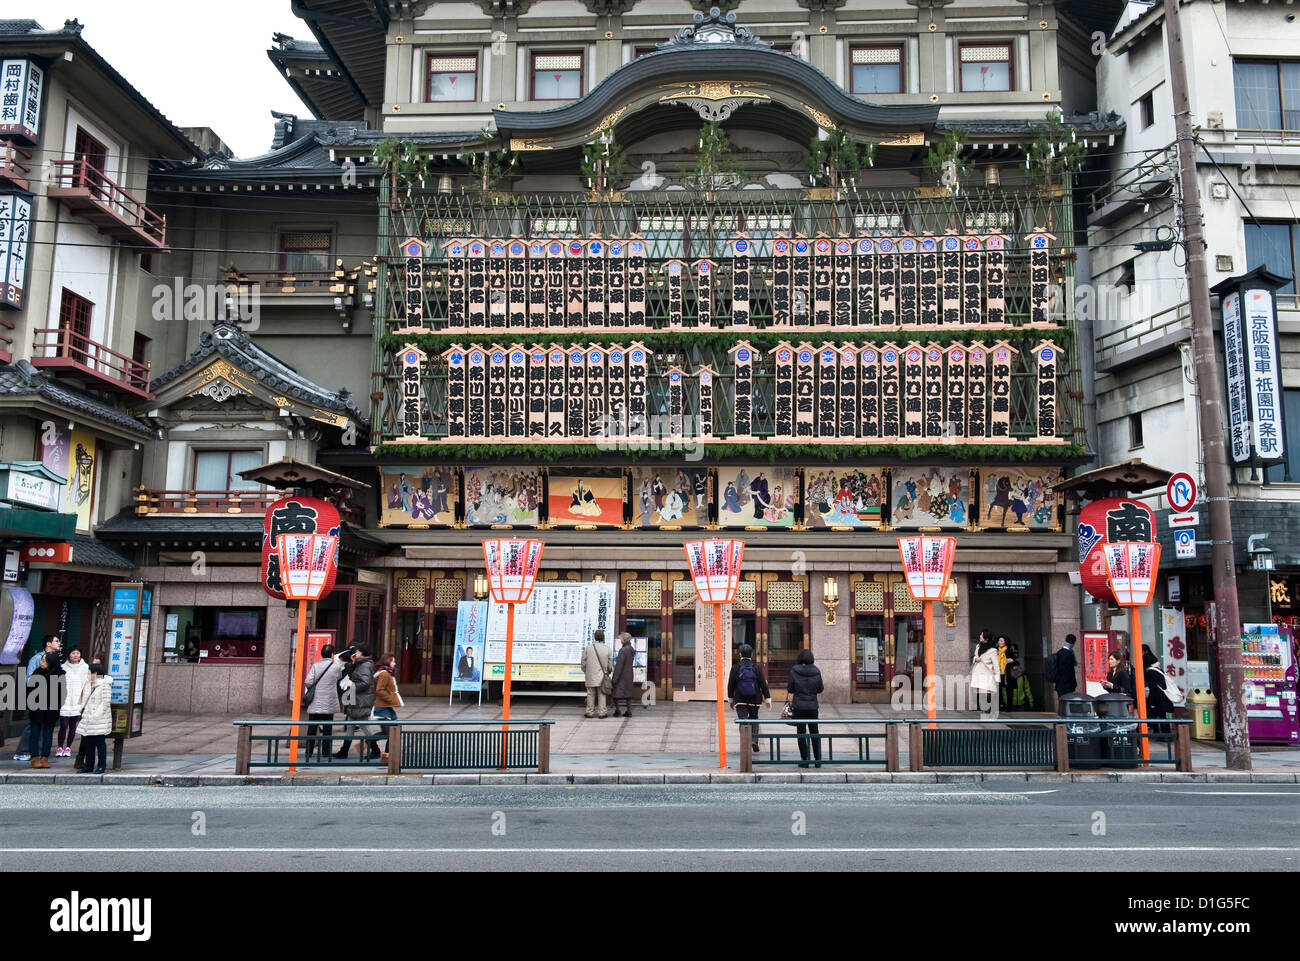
943 162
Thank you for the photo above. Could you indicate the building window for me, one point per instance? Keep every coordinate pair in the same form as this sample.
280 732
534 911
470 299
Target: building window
452 78
877 69
557 76
140 349
214 635
1147 111
218 470
94 157
986 67
146 261
1267 93
74 326
1134 431
305 251
1272 246
1288 472
639 52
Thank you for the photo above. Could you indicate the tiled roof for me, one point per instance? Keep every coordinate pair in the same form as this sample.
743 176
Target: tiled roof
92 552
24 380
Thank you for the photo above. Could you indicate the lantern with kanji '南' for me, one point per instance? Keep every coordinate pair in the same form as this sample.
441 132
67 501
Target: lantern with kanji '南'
296 515
1113 520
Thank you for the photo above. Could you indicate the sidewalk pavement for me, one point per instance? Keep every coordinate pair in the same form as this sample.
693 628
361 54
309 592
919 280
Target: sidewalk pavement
664 743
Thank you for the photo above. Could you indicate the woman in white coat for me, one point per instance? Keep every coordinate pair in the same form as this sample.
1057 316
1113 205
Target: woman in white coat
75 675
96 721
985 677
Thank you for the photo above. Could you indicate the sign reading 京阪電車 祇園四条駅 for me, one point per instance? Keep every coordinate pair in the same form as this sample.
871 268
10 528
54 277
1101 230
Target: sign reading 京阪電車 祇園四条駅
1252 366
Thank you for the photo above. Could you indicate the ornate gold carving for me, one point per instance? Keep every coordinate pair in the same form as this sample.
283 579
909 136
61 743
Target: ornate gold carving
713 90
518 143
823 120
328 417
609 121
904 140
281 401
220 370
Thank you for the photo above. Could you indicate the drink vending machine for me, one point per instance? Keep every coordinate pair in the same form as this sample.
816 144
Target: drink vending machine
1270 680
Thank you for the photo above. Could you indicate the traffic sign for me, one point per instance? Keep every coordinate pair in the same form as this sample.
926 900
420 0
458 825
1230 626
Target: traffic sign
1181 492
1185 542
1185 520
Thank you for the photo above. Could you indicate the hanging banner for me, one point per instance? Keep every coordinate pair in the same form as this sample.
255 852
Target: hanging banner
501 495
476 283
843 283
927 565
801 285
757 496
21 607
616 281
928 270
476 381
638 372
592 498
848 401
496 419
972 282
536 285
517 392
556 292
827 392
913 391
950 275
977 401
20 108
1047 355
1000 390
556 393
412 395
424 497
930 497
887 282
296 515
705 416
995 295
457 408
616 389
934 392
595 282
670 497
822 277
674 271
636 254
675 392
575 418
1019 497
1174 647
551 631
1039 277
536 391
869 384
843 496
471 640
517 278
575 283
1263 372
805 391
782 280
1112 520
413 296
954 392
596 420
1237 396
457 316
740 249
743 391
704 293
891 401
865 262
908 279
498 286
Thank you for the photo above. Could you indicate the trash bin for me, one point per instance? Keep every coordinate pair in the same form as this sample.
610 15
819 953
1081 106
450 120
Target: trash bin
1120 745
1083 736
1204 707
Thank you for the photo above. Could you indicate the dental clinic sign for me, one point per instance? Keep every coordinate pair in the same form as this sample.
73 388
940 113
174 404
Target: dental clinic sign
1256 434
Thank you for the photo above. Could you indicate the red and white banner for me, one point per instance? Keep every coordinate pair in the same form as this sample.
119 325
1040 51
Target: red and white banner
927 562
512 565
715 568
1131 570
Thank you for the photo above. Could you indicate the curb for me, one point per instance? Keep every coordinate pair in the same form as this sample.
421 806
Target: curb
644 778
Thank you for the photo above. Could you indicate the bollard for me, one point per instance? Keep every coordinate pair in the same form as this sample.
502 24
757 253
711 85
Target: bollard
544 749
1062 748
746 749
916 750
891 747
1183 747
395 749
244 749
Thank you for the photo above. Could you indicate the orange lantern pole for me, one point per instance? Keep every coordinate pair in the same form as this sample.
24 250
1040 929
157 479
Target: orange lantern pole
299 653
511 565
715 570
927 564
1131 571
305 565
929 660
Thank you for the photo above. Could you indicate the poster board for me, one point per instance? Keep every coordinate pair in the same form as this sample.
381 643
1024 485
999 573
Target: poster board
418 496
551 631
128 638
501 496
930 497
837 496
760 496
670 497
467 658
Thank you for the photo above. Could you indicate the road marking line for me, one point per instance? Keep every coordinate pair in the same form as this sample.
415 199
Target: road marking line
664 850
1236 793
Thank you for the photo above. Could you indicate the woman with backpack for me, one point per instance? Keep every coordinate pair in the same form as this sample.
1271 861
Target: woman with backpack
747 689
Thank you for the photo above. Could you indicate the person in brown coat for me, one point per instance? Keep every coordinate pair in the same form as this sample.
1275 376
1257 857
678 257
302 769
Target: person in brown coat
623 686
387 700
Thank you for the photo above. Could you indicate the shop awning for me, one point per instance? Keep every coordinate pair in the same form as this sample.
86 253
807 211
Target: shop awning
24 524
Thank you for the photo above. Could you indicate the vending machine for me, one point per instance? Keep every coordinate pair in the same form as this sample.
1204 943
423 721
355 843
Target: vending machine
1270 679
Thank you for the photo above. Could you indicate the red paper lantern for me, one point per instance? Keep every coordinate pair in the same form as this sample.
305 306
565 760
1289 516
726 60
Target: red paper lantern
715 568
296 515
1109 521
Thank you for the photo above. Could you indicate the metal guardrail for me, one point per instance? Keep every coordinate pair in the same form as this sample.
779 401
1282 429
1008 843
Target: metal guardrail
1055 743
414 745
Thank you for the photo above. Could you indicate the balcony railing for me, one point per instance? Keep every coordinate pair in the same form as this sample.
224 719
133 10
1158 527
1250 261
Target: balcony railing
15 165
86 190
63 349
256 502
286 282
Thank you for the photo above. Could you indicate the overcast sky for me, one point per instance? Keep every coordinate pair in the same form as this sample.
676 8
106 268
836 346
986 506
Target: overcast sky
201 64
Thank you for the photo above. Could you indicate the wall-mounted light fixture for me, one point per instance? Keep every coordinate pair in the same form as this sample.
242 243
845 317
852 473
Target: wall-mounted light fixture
950 604
831 597
480 587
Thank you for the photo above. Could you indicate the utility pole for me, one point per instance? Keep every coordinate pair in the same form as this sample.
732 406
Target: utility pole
1232 694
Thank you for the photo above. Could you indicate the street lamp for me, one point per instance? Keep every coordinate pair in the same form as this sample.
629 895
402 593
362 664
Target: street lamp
1262 560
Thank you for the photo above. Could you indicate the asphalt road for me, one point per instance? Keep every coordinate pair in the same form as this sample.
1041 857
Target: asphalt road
932 827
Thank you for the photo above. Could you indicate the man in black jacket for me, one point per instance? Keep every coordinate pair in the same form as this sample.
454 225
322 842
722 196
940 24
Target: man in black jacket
1065 666
747 688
